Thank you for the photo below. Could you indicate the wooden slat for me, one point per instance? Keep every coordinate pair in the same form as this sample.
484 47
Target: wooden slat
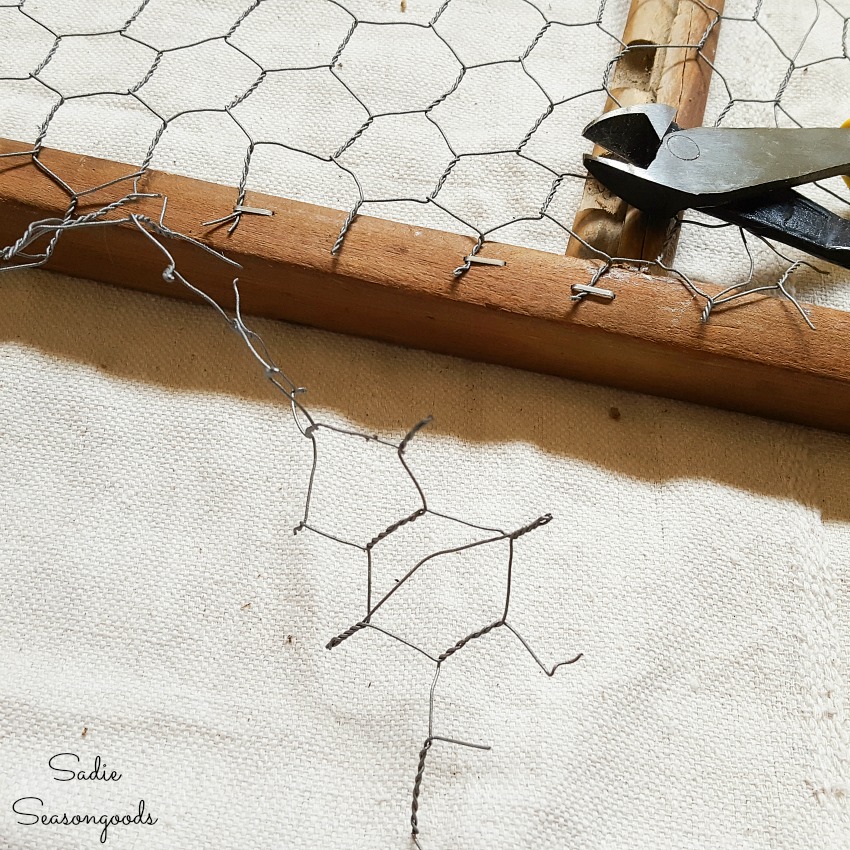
393 282
675 76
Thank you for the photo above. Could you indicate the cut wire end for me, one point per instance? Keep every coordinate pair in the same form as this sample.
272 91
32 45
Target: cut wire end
237 211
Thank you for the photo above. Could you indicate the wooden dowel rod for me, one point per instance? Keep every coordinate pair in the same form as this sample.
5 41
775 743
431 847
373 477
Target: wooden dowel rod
393 282
674 75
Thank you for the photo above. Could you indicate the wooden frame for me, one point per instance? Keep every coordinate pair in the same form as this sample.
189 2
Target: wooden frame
393 282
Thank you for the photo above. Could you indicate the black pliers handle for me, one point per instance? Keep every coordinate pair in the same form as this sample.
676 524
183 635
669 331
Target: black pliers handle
742 176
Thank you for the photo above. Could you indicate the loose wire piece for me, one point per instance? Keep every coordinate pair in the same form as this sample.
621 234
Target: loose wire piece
158 234
37 244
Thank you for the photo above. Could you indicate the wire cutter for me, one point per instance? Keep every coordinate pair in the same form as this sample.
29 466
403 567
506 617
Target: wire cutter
741 176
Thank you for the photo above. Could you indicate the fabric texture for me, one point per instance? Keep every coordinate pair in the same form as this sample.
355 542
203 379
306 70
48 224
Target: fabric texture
159 613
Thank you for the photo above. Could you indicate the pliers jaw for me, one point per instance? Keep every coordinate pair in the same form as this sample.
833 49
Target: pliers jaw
741 176
633 137
634 134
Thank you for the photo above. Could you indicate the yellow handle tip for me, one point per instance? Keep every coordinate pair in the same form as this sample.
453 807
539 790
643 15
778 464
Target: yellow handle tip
844 126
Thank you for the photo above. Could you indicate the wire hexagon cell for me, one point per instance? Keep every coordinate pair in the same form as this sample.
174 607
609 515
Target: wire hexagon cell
476 120
24 105
398 156
477 33
210 75
279 170
24 44
377 69
832 79
505 179
592 43
315 29
418 609
177 152
121 127
308 110
96 64
168 26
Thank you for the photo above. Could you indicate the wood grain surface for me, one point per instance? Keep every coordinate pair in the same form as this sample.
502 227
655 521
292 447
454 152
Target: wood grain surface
676 76
393 282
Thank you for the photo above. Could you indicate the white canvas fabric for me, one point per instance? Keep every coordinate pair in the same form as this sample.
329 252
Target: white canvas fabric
159 613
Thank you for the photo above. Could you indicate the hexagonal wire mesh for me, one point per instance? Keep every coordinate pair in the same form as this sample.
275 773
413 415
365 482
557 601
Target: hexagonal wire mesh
433 112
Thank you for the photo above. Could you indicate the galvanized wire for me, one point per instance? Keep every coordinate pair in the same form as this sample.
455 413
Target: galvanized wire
37 244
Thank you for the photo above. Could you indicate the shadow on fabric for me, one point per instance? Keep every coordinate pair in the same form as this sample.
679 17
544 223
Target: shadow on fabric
182 347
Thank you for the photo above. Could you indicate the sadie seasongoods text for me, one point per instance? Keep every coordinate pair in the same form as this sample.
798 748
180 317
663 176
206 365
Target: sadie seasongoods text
66 766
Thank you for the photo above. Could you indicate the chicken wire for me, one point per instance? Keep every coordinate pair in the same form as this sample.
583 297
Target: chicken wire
780 63
431 113
434 113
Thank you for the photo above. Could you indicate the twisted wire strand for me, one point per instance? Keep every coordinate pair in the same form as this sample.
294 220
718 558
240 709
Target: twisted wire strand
43 236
